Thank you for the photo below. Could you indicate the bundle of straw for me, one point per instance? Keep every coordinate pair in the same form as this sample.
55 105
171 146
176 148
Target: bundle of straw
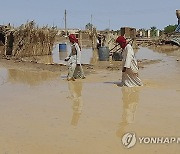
30 40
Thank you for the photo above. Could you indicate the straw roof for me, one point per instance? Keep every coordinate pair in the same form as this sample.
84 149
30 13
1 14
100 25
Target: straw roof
30 40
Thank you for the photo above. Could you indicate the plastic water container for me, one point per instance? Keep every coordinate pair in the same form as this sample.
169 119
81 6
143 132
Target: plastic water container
103 53
62 47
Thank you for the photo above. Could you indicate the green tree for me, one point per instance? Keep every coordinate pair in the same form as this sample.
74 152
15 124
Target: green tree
153 28
89 26
170 28
153 31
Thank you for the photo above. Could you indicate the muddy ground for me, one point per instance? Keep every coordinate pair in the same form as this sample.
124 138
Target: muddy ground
42 113
88 68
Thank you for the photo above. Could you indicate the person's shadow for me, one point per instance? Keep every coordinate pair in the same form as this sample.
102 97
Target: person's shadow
130 99
118 83
75 88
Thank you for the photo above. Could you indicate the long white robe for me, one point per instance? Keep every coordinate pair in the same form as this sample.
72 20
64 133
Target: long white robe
74 64
130 76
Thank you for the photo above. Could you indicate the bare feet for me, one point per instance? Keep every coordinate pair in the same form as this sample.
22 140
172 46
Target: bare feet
71 79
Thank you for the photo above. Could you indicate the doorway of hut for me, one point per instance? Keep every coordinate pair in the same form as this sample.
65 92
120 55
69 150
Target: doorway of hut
9 45
2 43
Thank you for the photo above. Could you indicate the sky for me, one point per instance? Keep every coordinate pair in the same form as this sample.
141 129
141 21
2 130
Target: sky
112 14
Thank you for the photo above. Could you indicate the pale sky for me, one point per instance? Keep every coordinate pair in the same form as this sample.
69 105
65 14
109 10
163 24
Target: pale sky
105 13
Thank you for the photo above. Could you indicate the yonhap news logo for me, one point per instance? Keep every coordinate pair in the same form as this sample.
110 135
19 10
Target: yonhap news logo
130 139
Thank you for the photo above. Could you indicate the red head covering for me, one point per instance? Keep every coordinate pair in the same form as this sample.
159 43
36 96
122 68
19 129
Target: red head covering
122 41
73 38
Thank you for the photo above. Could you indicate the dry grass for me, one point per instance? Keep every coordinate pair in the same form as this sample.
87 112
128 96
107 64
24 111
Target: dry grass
30 40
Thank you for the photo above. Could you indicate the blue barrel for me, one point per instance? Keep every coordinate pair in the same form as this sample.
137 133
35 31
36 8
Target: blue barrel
62 47
103 53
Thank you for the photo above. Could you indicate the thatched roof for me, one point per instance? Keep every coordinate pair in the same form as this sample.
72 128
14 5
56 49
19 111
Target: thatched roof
28 40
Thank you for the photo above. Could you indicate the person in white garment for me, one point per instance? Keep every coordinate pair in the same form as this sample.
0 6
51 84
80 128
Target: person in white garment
129 65
74 60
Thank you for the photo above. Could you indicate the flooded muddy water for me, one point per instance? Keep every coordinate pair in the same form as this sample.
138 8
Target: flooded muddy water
145 53
58 57
42 113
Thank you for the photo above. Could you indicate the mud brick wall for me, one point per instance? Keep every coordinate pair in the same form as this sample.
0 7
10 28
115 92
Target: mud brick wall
128 32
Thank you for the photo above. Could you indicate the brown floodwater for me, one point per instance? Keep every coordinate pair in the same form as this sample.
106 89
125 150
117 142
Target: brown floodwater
42 113
58 56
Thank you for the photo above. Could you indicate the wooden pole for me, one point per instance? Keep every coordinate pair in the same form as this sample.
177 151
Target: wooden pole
65 24
91 22
91 31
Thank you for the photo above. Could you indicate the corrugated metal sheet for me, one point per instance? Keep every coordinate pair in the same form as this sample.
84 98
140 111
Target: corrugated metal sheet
176 40
178 28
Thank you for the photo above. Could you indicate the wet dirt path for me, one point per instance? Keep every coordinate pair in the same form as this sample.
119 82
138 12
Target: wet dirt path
42 113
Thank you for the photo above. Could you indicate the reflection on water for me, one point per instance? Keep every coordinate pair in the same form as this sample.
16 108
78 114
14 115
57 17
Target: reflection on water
94 59
145 53
3 76
156 53
58 57
130 98
89 56
29 77
75 89
44 59
168 51
86 55
62 55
